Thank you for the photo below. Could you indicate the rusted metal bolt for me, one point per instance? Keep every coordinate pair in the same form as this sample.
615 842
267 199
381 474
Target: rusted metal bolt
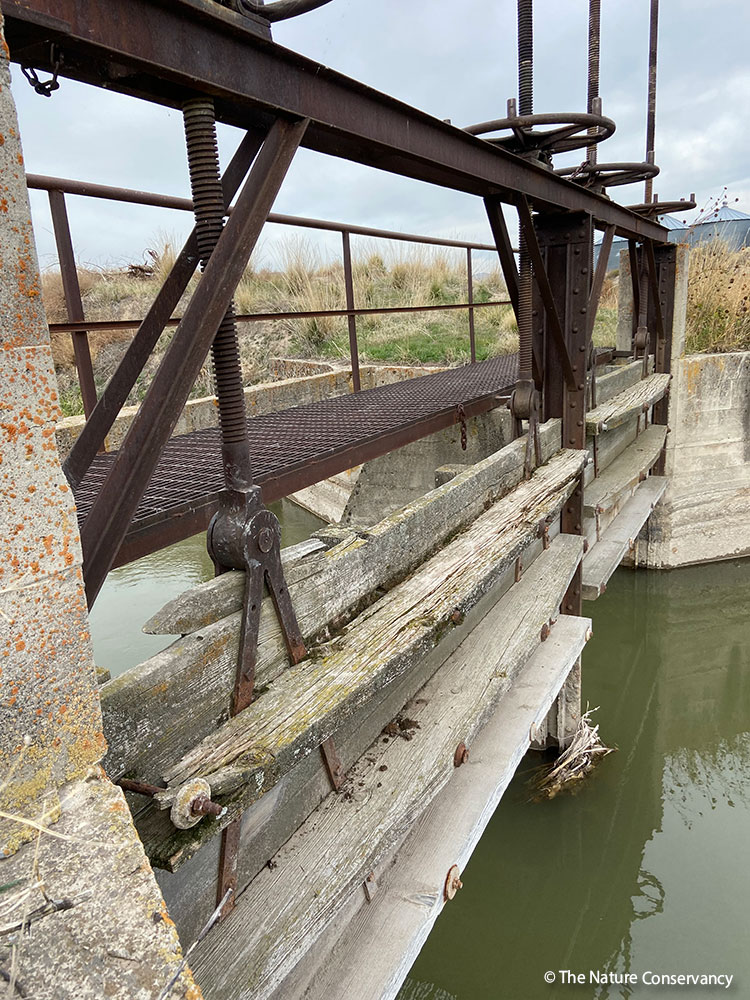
457 617
452 883
192 803
202 806
265 539
461 755
545 631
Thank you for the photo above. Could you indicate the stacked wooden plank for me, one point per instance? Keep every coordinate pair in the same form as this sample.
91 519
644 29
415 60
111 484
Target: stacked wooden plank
619 498
288 905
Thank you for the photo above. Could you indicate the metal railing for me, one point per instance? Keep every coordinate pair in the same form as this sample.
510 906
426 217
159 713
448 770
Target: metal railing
79 327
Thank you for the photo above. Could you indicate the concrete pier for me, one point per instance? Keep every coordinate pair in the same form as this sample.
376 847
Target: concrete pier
86 897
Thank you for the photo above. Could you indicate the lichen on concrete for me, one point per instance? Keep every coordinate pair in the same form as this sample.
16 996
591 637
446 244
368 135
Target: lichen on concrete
94 923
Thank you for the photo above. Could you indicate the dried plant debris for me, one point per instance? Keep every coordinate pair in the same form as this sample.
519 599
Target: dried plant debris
584 751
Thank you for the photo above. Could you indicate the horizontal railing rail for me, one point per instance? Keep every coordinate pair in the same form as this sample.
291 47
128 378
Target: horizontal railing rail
79 327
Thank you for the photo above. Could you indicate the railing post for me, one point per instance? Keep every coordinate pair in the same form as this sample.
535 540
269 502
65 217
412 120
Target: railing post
470 284
73 302
351 318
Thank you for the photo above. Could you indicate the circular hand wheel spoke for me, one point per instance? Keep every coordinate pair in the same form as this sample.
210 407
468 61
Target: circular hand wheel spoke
528 132
654 208
606 175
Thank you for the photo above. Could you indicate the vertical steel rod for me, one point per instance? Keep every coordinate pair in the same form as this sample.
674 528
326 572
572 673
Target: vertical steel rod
470 298
651 115
73 301
351 320
525 11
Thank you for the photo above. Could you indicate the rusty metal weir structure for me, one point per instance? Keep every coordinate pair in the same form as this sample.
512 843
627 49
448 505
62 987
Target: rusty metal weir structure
218 62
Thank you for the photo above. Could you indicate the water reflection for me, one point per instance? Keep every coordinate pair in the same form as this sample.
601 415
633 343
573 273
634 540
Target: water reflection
133 593
646 868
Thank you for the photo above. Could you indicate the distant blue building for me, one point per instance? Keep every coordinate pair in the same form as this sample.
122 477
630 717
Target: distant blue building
723 223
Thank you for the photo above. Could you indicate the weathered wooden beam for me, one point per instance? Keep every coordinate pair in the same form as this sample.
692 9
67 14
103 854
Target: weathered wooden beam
618 539
614 382
637 399
624 474
412 533
368 952
158 710
190 892
249 753
280 913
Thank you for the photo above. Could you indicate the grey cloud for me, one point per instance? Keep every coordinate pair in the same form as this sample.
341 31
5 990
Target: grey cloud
454 61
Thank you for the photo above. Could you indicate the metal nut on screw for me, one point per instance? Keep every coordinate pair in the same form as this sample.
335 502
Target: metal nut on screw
452 883
192 803
461 755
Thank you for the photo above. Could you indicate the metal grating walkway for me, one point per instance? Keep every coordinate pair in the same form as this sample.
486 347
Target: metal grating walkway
295 448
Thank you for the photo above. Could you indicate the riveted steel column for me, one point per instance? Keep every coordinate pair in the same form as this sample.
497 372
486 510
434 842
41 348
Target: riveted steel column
566 241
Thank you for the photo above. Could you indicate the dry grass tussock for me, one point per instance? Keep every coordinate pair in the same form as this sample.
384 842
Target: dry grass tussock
304 281
574 763
718 318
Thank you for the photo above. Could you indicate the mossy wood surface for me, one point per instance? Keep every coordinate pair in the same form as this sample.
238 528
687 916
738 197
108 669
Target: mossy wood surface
157 711
190 891
249 753
289 903
368 953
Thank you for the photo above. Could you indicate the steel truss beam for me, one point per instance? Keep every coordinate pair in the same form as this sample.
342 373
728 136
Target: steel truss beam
114 397
107 523
165 52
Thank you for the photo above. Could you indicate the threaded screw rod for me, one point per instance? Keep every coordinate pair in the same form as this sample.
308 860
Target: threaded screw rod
593 74
525 57
208 199
653 42
525 107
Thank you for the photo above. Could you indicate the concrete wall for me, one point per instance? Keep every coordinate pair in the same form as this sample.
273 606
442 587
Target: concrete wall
65 830
267 397
391 481
705 513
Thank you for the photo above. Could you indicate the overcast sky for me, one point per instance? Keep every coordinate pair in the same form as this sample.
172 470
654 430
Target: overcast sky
453 60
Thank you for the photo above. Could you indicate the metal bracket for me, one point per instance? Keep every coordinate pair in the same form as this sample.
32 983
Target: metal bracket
244 535
461 418
524 405
333 764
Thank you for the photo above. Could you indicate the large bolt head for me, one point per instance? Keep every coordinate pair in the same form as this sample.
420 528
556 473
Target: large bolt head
265 539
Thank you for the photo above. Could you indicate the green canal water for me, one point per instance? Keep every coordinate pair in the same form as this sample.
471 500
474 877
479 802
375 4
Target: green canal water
647 868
